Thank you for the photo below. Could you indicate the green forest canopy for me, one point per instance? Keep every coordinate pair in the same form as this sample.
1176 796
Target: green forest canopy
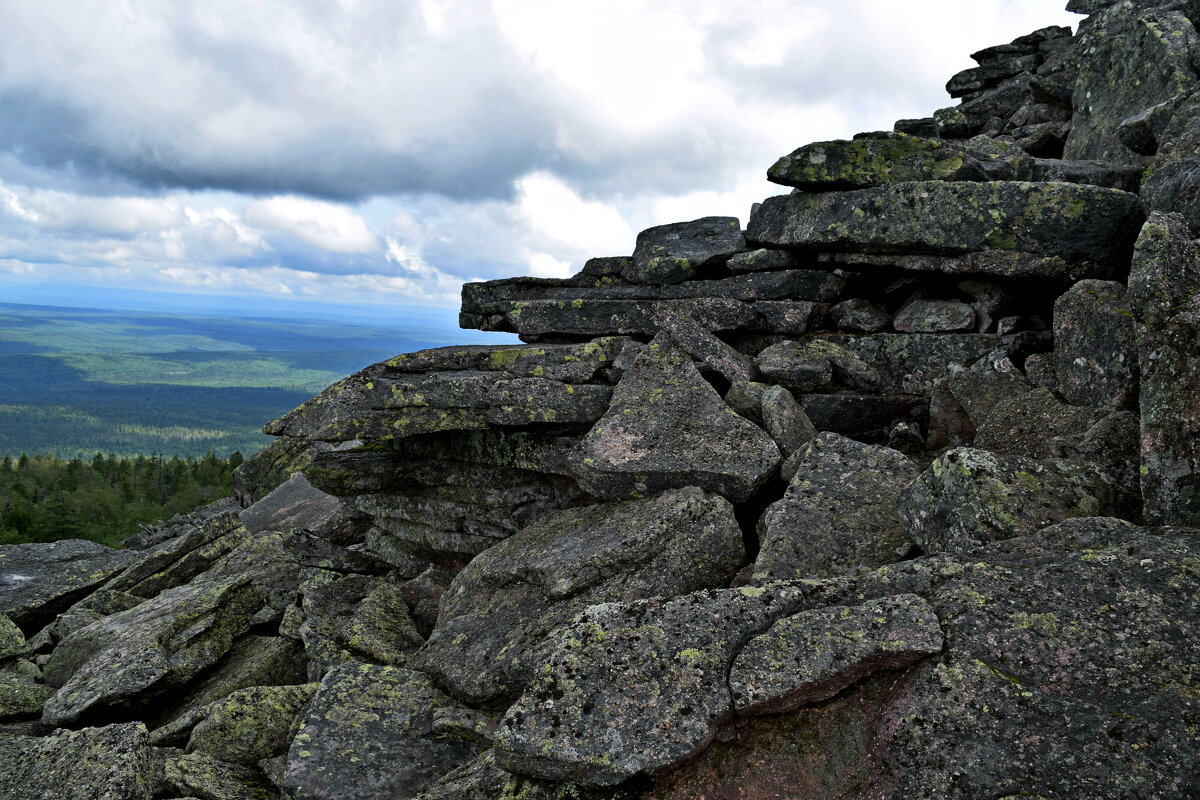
44 499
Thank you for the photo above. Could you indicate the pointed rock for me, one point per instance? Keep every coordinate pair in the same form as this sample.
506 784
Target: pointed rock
668 428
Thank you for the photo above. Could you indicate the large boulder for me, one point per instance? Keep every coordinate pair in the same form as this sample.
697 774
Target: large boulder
156 646
369 733
1095 356
37 581
839 511
1081 224
968 498
668 428
1164 285
493 621
679 251
1129 59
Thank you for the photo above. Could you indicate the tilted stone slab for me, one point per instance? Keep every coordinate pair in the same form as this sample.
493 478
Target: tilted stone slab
493 620
968 498
839 511
570 363
250 724
1000 263
1163 288
37 581
881 158
161 644
813 655
368 733
1076 223
668 428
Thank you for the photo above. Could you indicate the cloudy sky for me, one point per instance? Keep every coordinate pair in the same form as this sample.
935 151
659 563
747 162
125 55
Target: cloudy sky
384 151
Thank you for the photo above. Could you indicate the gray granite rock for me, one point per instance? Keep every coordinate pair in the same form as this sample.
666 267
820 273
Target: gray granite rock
1095 353
37 581
668 428
676 252
838 513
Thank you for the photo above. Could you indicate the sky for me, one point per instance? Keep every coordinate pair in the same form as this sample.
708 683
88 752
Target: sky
380 152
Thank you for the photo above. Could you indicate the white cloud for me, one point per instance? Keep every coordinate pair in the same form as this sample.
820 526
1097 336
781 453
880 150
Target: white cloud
328 226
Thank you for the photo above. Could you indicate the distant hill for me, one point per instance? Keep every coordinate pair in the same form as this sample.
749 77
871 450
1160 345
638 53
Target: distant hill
76 381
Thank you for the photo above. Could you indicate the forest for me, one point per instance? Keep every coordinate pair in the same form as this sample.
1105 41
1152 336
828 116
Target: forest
104 499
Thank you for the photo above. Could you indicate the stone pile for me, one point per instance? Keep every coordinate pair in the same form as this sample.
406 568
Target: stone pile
887 494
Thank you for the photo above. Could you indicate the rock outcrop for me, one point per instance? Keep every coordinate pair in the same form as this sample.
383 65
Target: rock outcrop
888 495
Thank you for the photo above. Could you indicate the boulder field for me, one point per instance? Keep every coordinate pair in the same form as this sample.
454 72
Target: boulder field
892 492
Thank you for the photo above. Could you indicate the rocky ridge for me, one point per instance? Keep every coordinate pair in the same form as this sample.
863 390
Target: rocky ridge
888 494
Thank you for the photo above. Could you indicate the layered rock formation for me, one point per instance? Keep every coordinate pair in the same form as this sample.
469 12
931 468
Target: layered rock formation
886 495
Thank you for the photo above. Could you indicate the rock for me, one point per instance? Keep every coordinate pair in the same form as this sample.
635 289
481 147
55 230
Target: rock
1030 424
976 79
281 459
297 504
1081 224
368 734
354 619
758 260
864 416
1135 58
934 316
607 266
813 655
679 251
12 641
422 594
109 763
861 316
882 158
251 661
969 498
251 724
1174 187
703 346
635 688
1095 355
746 398
839 511
668 428
1093 173
38 581
159 645
1163 288
999 263
198 775
183 558
509 598
803 366
22 693
785 420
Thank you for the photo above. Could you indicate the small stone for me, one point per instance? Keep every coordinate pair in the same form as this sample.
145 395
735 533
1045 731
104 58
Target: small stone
785 420
861 316
934 316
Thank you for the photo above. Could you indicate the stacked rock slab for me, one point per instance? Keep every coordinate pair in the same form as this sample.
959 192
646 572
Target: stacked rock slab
881 496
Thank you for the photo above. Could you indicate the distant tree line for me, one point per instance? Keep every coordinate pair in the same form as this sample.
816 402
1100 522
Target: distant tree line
44 499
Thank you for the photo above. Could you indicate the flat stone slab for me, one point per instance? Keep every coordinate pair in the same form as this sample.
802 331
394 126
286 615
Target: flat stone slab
1076 223
813 655
668 428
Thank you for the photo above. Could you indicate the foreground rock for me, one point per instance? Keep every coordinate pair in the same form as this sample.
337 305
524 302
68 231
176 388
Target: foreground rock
510 598
110 763
369 734
668 428
38 581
